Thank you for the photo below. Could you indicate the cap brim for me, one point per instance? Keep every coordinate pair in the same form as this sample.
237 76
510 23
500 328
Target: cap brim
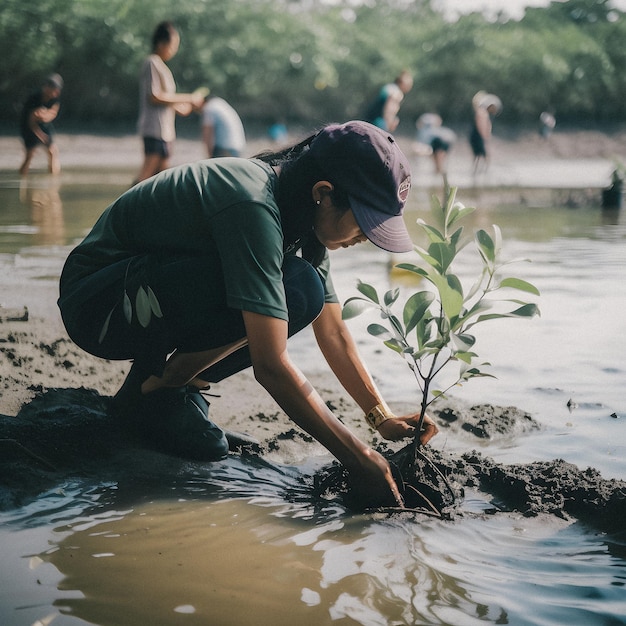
383 230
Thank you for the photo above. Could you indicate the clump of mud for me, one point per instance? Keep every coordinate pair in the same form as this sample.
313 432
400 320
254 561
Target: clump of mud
485 421
433 482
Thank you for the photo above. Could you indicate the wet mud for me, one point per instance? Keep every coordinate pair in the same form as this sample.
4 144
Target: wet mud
69 433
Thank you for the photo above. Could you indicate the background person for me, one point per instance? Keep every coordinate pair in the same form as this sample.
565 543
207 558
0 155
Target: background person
159 103
200 264
436 139
383 112
485 106
547 123
222 129
36 128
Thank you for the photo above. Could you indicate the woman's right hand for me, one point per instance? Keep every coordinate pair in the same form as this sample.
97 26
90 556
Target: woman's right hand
373 481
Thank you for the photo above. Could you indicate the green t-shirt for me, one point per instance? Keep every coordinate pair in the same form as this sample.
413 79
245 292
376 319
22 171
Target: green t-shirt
223 210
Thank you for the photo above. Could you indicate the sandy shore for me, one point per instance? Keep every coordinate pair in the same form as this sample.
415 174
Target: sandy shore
567 159
41 369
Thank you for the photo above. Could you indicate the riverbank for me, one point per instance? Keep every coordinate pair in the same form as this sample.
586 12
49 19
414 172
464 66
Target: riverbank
57 424
568 159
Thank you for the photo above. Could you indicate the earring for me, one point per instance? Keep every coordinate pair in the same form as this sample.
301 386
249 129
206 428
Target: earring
317 202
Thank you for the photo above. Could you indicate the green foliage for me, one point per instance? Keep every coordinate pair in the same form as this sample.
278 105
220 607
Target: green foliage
314 61
434 327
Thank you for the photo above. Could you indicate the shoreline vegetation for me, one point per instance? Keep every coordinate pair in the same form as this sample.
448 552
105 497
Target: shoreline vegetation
54 398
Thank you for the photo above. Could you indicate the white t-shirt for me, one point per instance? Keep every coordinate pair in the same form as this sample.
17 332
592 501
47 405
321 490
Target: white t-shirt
226 123
156 120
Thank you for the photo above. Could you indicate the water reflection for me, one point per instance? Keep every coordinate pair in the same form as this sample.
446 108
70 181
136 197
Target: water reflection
219 560
243 543
43 211
46 211
611 217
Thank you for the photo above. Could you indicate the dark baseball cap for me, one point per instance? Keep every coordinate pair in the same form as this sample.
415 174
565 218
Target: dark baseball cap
366 163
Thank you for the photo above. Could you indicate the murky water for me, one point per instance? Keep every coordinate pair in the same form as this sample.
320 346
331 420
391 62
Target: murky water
241 543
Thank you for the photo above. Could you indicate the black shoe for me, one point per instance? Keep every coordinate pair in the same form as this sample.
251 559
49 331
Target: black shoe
176 421
173 420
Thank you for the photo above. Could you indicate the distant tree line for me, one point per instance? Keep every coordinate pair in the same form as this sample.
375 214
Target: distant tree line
313 61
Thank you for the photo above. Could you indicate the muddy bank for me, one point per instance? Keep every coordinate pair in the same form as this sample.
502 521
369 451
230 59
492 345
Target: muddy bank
56 425
72 434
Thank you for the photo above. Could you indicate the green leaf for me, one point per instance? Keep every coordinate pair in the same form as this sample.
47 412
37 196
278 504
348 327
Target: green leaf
528 310
465 356
379 331
432 261
415 308
142 307
475 373
154 302
368 291
127 308
518 283
423 331
395 345
456 236
486 245
353 307
459 212
480 306
443 253
497 240
433 234
450 293
105 326
450 200
391 296
410 267
396 326
463 341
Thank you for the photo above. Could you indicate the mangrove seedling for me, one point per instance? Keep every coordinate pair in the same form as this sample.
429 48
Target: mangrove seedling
436 325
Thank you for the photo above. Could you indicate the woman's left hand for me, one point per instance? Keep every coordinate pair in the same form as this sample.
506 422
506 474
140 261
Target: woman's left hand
397 428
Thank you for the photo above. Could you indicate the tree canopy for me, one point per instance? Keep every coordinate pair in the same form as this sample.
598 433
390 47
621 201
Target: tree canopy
317 61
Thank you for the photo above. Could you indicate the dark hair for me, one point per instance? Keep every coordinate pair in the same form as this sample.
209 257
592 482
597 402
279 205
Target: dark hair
163 33
298 174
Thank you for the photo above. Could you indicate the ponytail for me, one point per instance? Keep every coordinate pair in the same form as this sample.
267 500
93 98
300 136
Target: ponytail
298 174
290 153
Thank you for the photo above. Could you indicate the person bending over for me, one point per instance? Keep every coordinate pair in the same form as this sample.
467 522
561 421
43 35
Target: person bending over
209 267
36 127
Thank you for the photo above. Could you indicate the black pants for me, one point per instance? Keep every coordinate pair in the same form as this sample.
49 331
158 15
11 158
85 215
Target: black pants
192 315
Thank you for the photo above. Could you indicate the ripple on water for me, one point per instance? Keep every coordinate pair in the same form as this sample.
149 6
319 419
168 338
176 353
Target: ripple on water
225 558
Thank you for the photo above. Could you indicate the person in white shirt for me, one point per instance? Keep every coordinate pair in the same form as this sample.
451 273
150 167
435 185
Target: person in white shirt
222 129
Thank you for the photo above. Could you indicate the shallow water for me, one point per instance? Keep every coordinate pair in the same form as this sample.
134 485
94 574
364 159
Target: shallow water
235 543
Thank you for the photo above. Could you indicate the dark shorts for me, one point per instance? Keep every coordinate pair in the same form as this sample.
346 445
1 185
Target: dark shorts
151 145
192 315
478 144
32 141
439 145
